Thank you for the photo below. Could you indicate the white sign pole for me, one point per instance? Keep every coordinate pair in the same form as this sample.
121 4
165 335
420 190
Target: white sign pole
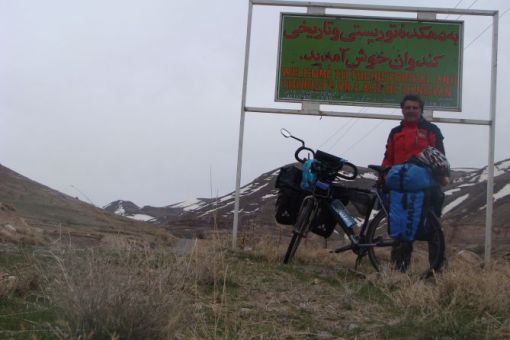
241 127
492 142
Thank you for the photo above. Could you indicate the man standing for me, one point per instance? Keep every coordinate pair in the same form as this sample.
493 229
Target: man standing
413 134
409 139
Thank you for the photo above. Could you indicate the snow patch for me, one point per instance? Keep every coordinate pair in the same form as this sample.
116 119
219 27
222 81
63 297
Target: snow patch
244 189
120 210
369 175
268 196
189 205
226 198
452 191
485 174
455 203
257 189
141 217
466 185
502 193
465 169
504 165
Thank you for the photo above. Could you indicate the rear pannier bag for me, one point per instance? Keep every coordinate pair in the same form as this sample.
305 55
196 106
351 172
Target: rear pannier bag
409 177
290 195
406 213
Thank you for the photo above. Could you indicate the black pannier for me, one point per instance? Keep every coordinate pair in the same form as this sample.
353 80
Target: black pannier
324 222
290 194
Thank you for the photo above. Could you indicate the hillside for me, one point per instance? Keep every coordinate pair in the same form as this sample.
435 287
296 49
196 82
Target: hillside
33 213
463 213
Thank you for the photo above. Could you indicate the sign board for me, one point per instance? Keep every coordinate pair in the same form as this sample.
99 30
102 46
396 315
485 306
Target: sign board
369 61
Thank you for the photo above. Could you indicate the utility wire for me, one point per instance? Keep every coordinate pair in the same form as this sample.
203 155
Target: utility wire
472 4
336 132
340 129
485 29
354 122
366 135
457 5
362 138
83 194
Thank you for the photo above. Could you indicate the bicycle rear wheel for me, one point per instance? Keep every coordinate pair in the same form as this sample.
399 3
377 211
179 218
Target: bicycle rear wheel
300 228
422 257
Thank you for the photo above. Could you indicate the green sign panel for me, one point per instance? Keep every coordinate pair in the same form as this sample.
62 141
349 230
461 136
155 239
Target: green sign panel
369 61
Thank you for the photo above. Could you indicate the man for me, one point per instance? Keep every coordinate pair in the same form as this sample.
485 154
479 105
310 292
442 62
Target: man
409 139
413 134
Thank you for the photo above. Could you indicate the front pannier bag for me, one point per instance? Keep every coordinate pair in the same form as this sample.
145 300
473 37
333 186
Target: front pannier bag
290 194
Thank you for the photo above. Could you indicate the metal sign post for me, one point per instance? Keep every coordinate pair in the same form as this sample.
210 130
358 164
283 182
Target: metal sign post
241 126
313 107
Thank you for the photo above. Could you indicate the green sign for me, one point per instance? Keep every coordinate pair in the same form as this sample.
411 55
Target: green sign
369 61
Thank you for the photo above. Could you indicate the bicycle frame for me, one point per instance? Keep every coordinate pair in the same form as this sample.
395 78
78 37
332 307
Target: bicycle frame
357 240
322 172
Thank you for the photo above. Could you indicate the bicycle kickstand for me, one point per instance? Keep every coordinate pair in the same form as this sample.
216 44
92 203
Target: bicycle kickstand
358 261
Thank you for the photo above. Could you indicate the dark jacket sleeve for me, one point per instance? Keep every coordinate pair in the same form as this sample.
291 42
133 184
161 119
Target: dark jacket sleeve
439 140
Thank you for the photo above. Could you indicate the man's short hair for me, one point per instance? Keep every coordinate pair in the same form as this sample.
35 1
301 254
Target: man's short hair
414 98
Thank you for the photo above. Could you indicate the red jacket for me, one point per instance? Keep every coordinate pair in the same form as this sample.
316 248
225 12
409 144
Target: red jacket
409 139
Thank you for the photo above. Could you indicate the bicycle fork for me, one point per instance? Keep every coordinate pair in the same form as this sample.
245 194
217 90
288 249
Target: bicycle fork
303 225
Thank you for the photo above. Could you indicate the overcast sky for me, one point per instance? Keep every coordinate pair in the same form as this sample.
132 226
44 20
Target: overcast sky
140 100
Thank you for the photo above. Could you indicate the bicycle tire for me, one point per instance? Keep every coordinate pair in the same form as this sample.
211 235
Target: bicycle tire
300 229
424 262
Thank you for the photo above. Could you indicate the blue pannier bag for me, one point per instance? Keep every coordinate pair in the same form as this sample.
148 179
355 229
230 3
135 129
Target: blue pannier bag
406 213
409 177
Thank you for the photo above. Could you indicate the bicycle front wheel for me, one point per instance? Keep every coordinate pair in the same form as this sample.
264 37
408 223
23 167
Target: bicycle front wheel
421 257
300 228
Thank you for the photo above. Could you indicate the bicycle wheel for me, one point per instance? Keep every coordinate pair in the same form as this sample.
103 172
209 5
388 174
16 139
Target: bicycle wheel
301 227
418 256
377 232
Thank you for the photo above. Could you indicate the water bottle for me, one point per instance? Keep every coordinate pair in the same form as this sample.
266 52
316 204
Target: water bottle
342 214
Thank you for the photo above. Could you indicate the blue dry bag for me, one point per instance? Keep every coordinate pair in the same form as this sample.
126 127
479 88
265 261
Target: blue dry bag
409 177
406 213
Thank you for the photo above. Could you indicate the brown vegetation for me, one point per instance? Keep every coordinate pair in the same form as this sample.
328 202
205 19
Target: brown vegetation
127 290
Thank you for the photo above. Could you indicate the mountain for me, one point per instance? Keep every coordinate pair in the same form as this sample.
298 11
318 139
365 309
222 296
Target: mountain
463 213
34 213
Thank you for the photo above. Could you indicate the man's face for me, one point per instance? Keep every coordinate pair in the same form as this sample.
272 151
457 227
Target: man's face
411 111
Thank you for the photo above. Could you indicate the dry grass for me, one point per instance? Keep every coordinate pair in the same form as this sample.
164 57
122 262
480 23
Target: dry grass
208 291
124 291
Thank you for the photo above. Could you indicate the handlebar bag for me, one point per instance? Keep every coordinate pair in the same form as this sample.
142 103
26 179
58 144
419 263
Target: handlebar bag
409 177
406 213
290 195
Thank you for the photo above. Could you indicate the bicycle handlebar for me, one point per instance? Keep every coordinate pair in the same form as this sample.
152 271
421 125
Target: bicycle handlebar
330 164
354 171
301 149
